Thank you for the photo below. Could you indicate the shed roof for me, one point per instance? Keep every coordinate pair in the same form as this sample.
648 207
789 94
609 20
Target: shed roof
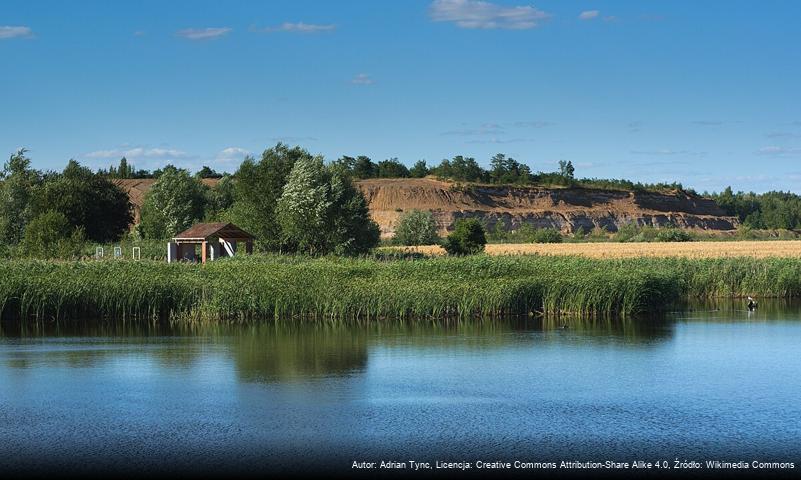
204 231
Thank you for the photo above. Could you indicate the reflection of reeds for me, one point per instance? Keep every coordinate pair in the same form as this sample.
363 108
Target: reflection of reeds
335 289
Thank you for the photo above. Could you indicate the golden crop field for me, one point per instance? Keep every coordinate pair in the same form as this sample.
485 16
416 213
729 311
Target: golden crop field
756 249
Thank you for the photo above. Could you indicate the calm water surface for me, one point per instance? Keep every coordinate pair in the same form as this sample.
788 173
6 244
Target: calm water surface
714 382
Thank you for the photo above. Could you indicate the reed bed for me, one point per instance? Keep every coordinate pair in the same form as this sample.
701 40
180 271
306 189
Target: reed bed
754 249
365 290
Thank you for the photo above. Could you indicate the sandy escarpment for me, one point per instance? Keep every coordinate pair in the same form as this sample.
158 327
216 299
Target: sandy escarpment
566 209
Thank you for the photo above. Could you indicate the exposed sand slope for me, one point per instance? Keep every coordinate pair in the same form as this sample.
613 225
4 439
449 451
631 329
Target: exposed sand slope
566 209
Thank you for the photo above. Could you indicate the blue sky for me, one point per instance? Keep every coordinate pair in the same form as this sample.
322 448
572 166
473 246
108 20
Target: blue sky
706 93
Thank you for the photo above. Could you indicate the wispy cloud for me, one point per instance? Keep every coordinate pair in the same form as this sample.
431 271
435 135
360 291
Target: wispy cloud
665 152
589 14
711 123
298 27
15 32
232 154
139 33
651 17
139 152
635 126
776 151
782 135
362 79
498 140
203 33
486 15
490 128
484 129
532 124
295 140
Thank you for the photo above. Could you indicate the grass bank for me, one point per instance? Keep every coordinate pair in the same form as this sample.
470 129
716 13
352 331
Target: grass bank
339 289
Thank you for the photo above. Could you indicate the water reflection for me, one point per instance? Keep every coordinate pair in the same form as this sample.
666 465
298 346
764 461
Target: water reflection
282 351
277 352
228 396
267 353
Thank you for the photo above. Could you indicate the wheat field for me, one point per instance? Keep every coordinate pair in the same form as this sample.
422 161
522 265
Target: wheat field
754 249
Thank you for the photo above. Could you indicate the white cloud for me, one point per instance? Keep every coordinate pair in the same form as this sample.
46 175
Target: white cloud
15 32
486 15
139 33
203 33
779 151
139 153
589 14
231 154
300 27
362 79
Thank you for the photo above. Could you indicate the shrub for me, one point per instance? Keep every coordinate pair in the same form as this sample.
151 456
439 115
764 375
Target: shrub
547 235
50 235
627 232
416 228
467 238
674 235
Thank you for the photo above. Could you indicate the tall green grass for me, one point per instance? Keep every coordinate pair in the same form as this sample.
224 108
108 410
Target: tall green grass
341 289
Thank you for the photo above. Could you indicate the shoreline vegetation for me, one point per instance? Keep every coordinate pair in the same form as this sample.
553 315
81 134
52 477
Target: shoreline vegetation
368 289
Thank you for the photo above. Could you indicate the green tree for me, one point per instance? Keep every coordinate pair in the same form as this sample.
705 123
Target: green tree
419 170
51 235
468 238
88 200
257 189
467 169
392 168
207 172
172 204
363 168
416 227
507 170
566 169
18 182
321 212
219 199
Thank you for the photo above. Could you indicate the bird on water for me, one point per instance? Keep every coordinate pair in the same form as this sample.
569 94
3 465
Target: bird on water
752 304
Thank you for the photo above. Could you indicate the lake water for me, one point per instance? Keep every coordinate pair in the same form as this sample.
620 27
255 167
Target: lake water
712 383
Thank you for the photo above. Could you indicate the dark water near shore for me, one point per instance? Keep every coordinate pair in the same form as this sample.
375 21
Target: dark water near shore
712 383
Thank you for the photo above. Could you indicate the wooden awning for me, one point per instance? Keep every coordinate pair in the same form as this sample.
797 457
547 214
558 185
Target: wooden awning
203 232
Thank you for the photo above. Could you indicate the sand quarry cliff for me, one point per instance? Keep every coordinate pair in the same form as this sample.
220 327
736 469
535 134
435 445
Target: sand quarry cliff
566 209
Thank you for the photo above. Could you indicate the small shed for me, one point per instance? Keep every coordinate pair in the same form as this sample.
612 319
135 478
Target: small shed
215 240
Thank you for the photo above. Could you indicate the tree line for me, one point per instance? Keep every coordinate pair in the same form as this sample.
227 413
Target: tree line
770 210
291 200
